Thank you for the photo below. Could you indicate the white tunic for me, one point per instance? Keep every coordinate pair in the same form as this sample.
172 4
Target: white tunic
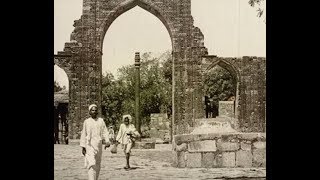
122 136
93 132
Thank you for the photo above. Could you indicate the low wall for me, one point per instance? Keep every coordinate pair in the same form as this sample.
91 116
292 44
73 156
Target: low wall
220 150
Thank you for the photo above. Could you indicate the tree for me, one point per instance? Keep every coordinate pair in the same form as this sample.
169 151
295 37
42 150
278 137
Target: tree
260 10
118 96
219 85
113 95
57 87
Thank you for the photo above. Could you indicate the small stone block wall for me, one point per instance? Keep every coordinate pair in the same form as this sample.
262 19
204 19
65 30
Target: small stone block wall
228 150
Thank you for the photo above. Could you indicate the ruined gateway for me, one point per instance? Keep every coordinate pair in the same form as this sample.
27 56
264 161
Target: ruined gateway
81 59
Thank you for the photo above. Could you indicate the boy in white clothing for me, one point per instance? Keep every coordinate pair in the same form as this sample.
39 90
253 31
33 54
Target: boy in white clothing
127 133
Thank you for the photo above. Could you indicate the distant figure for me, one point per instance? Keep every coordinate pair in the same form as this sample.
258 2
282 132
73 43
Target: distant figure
111 133
113 141
126 137
93 132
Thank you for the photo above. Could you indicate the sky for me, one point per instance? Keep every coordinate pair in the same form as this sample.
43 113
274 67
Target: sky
231 28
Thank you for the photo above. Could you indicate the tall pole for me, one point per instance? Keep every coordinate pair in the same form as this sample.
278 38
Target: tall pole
137 91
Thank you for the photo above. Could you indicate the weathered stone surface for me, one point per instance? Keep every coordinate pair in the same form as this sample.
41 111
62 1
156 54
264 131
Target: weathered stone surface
248 136
227 146
181 156
193 160
229 136
182 147
218 161
208 160
186 138
228 159
259 145
144 145
259 158
243 158
202 146
246 146
226 108
159 121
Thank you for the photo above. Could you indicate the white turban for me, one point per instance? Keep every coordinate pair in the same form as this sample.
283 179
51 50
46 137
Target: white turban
127 116
91 106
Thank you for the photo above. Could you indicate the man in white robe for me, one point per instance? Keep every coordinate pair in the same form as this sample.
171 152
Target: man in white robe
93 132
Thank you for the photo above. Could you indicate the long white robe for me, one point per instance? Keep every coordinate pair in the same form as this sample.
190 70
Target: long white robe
93 132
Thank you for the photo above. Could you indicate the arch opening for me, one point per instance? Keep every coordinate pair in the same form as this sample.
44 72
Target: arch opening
160 61
221 84
61 106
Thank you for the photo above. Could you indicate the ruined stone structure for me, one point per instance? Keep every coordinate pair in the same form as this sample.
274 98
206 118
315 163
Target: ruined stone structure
160 127
82 61
250 102
220 150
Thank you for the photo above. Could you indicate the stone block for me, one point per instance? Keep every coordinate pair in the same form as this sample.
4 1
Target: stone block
193 160
226 108
202 146
243 158
208 160
182 138
229 137
248 136
245 146
181 158
228 159
144 145
227 146
182 147
218 161
259 158
259 145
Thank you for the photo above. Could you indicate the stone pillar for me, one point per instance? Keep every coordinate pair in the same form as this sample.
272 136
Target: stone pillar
137 91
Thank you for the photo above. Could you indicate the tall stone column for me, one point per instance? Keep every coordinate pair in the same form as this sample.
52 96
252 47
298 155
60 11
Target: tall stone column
137 91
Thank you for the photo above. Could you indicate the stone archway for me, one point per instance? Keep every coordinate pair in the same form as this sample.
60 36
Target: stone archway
234 71
82 56
61 106
250 101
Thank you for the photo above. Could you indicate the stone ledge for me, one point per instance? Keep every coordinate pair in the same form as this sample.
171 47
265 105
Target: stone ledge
186 138
202 146
144 145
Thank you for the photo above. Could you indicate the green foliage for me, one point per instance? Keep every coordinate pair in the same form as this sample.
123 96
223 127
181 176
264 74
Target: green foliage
118 96
57 87
111 99
220 85
254 3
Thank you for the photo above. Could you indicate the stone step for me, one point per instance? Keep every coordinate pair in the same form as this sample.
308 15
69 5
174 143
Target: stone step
144 145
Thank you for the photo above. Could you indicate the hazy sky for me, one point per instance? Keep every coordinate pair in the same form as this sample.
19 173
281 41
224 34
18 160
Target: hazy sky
231 28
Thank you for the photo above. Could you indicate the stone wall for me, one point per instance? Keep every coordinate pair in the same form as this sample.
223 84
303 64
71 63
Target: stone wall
250 103
160 127
220 150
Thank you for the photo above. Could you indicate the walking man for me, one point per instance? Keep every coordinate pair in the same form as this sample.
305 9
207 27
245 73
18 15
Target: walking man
93 132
